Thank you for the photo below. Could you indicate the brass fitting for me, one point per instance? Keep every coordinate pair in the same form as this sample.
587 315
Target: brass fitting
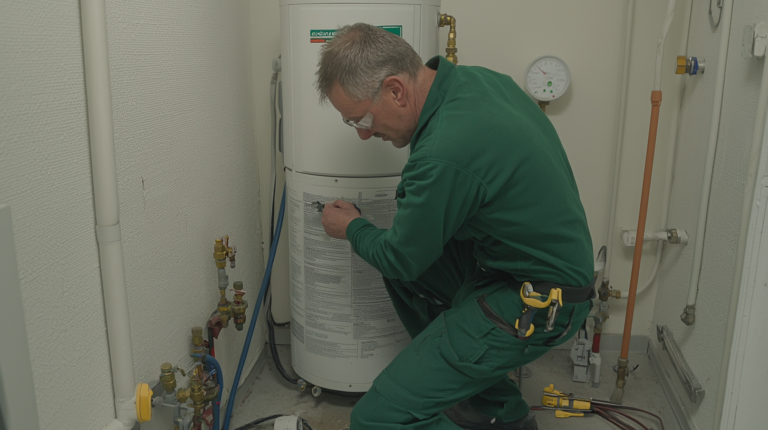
450 50
225 309
239 305
195 392
689 315
168 377
182 394
604 292
211 393
197 342
621 380
222 251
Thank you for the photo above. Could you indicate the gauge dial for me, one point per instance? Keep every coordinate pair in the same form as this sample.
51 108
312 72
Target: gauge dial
547 78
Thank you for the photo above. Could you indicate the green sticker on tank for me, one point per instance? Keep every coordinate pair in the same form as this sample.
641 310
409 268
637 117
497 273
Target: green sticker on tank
322 36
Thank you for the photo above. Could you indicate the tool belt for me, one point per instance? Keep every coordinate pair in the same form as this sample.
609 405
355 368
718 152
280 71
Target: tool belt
573 295
532 294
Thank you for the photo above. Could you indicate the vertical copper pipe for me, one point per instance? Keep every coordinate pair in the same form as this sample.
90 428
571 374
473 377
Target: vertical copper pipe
655 104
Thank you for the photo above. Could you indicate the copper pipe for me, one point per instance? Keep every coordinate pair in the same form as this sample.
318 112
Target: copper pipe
655 104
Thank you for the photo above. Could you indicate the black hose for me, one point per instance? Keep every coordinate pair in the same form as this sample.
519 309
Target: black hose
254 423
273 349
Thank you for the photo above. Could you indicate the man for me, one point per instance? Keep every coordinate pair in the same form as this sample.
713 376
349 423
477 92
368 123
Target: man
487 201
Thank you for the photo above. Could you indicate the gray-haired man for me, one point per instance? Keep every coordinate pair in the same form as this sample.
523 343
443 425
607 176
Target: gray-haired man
487 201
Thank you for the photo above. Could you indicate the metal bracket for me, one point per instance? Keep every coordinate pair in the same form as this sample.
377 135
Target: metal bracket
691 384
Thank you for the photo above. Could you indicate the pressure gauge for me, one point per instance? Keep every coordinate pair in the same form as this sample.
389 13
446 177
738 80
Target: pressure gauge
547 78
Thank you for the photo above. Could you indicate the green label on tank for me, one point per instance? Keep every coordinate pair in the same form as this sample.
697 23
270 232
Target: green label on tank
322 36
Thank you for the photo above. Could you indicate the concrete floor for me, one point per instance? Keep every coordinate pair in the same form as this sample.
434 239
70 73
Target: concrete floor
265 393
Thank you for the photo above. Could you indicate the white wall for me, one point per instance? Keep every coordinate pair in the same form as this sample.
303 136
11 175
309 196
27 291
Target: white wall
705 343
187 173
45 178
503 36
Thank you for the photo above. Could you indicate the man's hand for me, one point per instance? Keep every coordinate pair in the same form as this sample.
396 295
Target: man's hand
337 216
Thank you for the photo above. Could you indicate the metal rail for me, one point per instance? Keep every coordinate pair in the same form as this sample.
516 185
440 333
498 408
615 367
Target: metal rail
689 380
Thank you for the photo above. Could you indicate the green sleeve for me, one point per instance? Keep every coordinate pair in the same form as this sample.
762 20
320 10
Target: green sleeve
439 198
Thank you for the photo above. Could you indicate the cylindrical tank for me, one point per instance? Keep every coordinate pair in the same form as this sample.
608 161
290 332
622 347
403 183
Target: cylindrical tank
344 330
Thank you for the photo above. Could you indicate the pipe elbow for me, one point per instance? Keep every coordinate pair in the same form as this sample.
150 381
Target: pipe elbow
125 413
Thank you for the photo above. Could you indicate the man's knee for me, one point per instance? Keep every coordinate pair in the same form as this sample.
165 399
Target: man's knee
373 411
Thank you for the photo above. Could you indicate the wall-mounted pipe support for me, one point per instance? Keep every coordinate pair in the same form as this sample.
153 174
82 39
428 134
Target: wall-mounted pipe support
450 50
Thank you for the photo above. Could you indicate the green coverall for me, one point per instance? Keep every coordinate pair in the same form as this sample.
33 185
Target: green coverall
487 189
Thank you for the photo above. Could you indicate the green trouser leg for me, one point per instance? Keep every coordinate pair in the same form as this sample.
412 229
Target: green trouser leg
459 353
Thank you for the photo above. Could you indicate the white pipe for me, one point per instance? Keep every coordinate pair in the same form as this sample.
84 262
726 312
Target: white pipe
670 166
619 135
99 100
660 45
725 31
749 200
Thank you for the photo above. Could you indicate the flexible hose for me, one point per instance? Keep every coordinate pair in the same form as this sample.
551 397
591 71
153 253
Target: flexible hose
219 379
255 316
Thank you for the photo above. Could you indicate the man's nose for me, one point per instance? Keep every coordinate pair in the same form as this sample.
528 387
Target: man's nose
364 134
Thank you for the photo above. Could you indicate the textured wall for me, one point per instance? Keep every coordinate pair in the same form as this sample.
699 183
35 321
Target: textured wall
589 37
187 173
704 343
45 175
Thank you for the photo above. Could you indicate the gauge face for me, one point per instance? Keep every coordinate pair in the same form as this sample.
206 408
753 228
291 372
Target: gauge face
547 78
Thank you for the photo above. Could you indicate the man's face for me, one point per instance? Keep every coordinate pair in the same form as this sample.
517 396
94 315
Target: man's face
390 122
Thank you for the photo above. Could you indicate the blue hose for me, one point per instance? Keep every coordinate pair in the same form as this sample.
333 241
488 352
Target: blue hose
255 316
220 379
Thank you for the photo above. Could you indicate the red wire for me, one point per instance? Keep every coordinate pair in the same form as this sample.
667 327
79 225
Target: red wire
615 421
661 422
626 415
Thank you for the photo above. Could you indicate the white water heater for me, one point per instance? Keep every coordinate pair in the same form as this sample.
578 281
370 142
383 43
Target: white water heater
344 329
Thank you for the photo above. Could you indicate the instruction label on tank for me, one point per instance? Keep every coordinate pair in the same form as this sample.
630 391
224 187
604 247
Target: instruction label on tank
339 305
322 36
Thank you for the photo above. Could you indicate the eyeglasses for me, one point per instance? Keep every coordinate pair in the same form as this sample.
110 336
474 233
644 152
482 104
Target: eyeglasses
363 124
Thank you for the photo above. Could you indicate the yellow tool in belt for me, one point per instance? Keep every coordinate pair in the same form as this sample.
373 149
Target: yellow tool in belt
557 399
532 301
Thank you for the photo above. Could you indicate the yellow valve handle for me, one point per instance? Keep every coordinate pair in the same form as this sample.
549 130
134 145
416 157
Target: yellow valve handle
563 414
143 403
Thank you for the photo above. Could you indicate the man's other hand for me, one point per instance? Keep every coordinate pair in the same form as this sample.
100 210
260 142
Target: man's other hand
337 216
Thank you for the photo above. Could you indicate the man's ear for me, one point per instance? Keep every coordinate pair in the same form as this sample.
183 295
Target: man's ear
394 87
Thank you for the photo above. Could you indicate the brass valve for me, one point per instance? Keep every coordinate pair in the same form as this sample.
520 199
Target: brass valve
197 342
225 309
222 251
450 50
239 305
168 377
195 392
